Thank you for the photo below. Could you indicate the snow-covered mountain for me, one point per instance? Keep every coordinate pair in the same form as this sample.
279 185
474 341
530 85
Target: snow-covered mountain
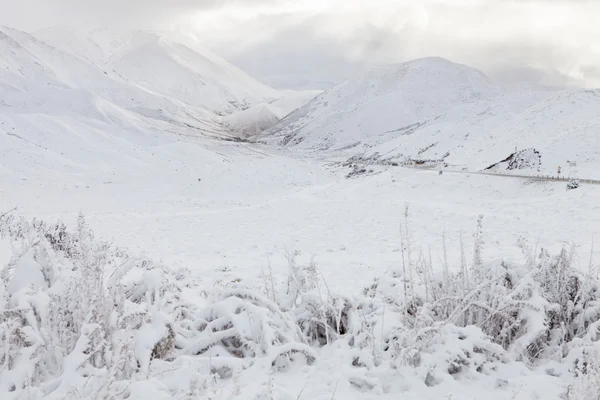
175 67
433 109
93 103
39 78
62 114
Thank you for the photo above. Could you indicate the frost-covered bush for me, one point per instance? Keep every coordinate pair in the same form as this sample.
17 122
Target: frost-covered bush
243 324
321 315
586 385
531 310
545 309
446 350
81 318
73 308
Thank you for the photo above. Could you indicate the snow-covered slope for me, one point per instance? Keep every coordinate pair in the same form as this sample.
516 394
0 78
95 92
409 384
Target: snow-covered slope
559 126
293 100
39 78
433 109
176 68
263 116
100 103
179 67
64 115
384 99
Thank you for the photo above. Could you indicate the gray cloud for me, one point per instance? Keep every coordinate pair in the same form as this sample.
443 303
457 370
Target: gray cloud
516 73
38 14
297 56
552 42
548 41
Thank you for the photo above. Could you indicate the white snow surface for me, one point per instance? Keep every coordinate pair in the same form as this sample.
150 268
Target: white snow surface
125 130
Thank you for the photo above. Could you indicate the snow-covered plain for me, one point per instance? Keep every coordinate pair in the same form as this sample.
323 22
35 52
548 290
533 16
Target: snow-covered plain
232 212
252 203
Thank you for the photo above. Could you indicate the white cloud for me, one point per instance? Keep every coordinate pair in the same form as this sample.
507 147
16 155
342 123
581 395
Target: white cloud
555 39
37 14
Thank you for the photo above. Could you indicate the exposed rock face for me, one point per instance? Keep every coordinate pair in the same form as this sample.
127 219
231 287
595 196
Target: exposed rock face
522 159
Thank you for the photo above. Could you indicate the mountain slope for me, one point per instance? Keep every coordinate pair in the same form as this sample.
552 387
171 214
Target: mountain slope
43 79
97 105
432 109
384 99
63 117
559 127
178 69
261 117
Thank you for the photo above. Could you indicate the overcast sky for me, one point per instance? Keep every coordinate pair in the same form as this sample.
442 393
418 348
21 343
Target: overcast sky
549 41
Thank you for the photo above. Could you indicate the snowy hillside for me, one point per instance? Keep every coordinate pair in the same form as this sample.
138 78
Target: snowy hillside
263 116
99 102
176 71
166 67
62 114
431 109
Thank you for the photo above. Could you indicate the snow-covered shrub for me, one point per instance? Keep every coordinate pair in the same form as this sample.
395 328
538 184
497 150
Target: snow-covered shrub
76 312
445 349
243 324
322 316
586 367
540 310
573 184
75 308
82 319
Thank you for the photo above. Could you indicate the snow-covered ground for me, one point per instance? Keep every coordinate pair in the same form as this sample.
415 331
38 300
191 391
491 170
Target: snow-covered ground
78 320
248 204
234 219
